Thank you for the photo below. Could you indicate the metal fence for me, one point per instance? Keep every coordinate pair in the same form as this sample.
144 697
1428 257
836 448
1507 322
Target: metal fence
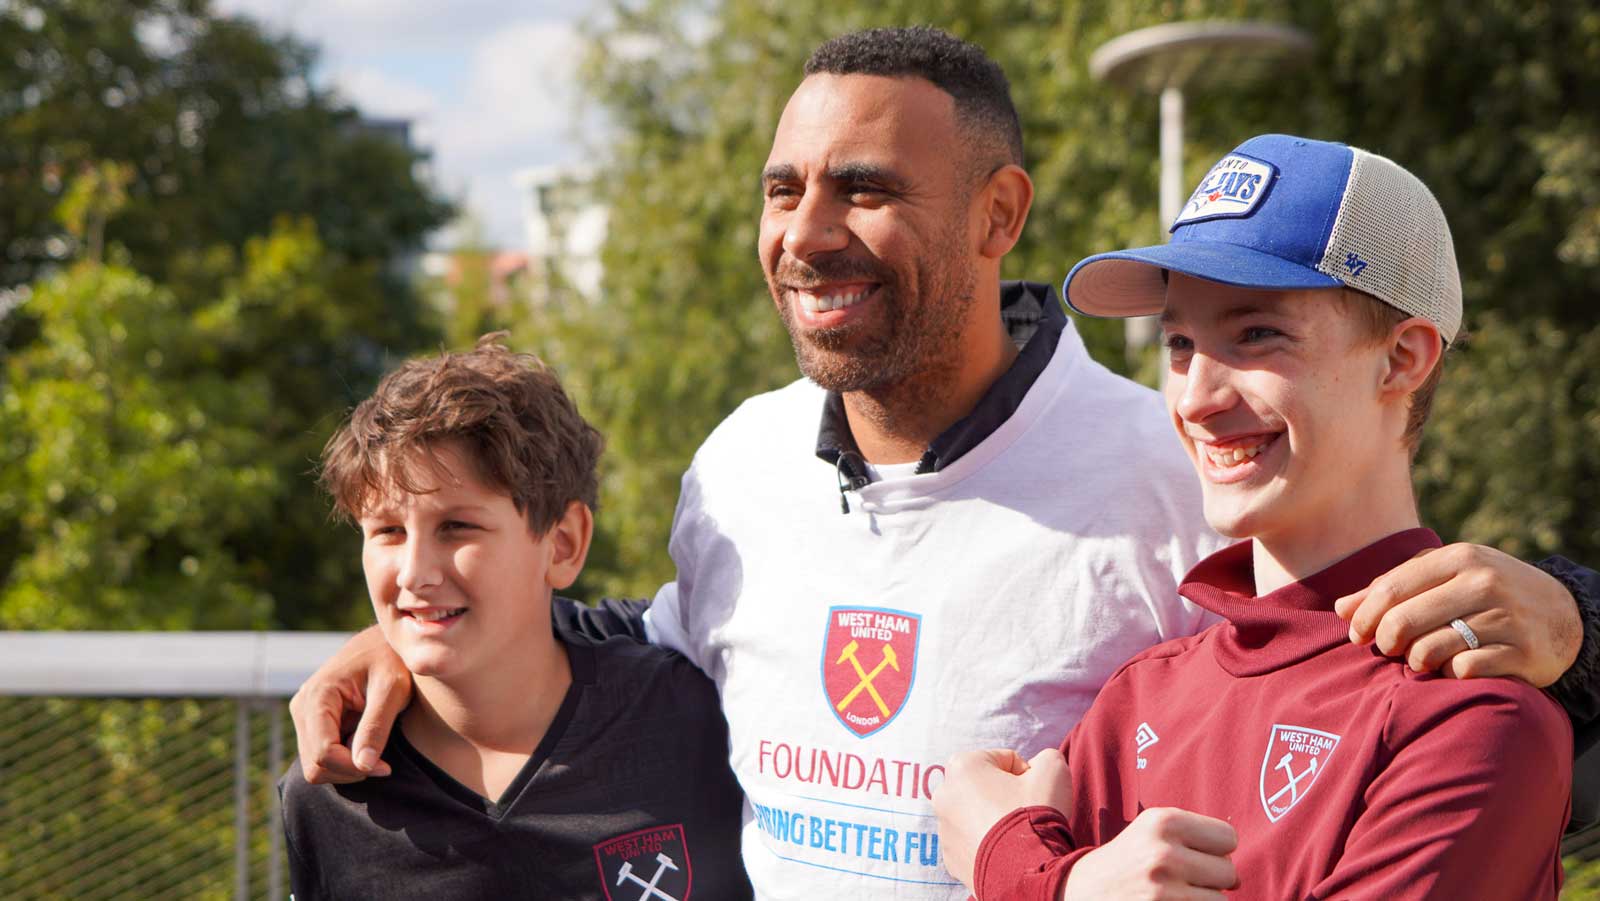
144 765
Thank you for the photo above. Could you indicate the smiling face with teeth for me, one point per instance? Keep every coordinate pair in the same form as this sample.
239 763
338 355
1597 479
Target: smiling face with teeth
1289 414
458 579
865 230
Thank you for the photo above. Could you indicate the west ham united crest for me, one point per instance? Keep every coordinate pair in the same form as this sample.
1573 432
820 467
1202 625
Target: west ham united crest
645 865
1296 756
869 660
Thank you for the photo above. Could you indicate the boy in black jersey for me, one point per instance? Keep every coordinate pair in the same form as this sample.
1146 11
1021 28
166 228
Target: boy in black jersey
527 766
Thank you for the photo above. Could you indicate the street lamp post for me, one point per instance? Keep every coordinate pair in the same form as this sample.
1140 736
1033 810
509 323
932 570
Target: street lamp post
1166 59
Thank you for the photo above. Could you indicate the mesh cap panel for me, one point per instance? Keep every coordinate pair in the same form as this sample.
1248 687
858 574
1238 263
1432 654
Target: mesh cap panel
1390 239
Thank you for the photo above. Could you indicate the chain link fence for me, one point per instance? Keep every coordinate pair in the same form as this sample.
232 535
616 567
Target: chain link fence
145 765
140 798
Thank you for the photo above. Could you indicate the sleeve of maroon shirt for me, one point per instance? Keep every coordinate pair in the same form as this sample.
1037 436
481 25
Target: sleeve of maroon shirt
1025 857
1472 802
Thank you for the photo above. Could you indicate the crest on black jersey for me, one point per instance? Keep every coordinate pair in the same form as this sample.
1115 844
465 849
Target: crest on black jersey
646 865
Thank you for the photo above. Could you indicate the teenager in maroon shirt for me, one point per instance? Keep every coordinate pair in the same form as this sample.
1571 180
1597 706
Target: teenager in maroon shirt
1306 297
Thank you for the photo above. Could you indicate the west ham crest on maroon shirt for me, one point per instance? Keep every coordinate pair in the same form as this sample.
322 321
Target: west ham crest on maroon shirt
1296 756
648 865
869 659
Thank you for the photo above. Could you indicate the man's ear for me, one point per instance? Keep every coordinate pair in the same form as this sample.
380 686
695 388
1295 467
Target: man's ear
1003 204
569 545
1414 350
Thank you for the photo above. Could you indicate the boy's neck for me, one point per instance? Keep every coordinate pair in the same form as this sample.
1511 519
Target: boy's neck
503 708
1374 509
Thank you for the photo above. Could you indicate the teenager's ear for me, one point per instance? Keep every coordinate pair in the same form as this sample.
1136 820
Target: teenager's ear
1414 350
1004 203
569 545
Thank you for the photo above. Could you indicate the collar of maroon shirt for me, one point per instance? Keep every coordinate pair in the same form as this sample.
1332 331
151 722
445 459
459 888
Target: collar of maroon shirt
1284 627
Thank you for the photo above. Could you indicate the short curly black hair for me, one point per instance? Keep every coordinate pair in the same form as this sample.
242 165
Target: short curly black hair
959 68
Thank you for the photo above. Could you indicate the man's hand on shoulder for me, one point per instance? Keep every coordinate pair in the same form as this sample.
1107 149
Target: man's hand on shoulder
365 683
1526 623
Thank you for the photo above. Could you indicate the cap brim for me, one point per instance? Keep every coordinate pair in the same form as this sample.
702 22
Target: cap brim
1129 283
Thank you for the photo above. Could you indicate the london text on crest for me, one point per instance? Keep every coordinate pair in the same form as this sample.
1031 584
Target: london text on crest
1295 758
646 865
869 661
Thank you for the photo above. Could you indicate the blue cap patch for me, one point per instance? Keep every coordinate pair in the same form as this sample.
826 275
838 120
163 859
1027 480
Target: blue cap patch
1233 189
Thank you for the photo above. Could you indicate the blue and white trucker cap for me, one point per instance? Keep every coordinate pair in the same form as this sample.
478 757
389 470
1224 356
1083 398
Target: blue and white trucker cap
1281 213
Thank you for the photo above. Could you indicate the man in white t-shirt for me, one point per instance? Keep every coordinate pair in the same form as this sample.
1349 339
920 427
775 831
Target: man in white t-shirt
958 524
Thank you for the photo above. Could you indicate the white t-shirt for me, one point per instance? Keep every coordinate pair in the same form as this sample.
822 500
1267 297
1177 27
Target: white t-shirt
982 605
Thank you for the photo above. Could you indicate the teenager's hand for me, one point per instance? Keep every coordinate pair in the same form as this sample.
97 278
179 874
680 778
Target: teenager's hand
981 787
1165 853
364 679
1526 622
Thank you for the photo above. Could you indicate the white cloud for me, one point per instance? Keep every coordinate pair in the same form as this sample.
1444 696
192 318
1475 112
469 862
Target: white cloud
376 93
380 26
521 89
517 111
491 86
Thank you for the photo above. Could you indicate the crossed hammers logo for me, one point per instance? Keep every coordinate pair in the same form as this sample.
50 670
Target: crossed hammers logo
650 890
890 659
1293 788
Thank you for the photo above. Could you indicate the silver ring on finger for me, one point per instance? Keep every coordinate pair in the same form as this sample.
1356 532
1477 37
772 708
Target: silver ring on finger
1466 633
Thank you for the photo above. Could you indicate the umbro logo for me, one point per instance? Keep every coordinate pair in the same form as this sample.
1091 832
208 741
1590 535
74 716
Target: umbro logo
1143 738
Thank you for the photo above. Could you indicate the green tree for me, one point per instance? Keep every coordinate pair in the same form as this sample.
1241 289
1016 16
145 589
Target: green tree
266 226
218 124
156 456
126 477
203 263
1487 104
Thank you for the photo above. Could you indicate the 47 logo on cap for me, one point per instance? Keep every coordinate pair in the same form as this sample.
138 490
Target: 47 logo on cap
647 864
869 659
1234 187
1295 757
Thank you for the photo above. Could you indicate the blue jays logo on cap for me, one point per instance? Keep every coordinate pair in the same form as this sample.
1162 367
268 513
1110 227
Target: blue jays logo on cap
1234 187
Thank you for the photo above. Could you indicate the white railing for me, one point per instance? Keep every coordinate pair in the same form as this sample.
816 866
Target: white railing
142 764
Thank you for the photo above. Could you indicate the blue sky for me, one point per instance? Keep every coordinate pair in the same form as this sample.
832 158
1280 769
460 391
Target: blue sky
489 83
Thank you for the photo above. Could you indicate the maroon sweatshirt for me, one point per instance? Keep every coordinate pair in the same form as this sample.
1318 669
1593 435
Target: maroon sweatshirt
1346 774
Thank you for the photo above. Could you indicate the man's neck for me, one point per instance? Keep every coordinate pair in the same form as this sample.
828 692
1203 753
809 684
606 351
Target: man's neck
1376 508
505 707
896 423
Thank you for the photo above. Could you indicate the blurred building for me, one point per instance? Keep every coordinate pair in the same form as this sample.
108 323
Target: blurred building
500 277
398 131
566 227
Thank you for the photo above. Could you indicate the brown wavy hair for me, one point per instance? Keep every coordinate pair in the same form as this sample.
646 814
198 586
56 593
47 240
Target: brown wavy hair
507 411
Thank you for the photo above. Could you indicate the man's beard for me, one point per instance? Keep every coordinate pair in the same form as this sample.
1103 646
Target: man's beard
900 341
